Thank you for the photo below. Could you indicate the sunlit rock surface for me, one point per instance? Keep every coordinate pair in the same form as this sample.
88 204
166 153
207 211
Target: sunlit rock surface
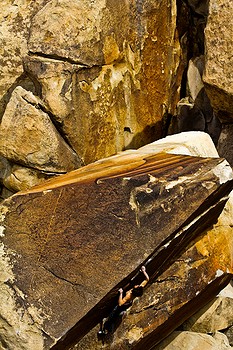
218 69
215 316
28 136
194 341
61 241
15 22
107 64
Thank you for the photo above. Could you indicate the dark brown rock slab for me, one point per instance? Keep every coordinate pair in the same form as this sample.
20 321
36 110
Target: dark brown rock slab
68 245
190 282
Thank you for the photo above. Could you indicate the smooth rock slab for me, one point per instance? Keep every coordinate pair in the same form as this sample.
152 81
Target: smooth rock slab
63 240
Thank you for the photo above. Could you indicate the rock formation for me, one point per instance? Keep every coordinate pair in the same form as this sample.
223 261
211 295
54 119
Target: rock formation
107 219
106 86
82 81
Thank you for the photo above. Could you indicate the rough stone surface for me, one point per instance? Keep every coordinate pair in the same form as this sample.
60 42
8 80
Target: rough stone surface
194 341
225 146
194 76
194 112
15 21
218 76
106 70
28 136
216 316
229 334
56 235
191 281
117 82
21 178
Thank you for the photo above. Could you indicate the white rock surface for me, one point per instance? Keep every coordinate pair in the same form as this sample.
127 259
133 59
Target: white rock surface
193 143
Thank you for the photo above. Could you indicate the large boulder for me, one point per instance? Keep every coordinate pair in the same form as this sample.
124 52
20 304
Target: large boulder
62 240
28 136
216 316
15 21
190 282
218 76
106 63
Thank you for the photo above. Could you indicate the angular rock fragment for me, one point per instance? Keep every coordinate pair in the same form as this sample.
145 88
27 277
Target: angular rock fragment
28 136
193 341
215 316
63 240
218 68
55 80
20 178
225 143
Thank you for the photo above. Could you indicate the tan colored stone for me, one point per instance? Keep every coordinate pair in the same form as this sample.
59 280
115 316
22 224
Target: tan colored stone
194 341
55 80
129 54
15 21
224 145
194 77
21 178
184 143
218 76
28 136
215 316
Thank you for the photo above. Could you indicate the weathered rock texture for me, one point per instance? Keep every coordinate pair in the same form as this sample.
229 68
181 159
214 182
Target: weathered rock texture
104 70
218 75
120 52
28 136
63 239
192 280
225 147
215 316
81 80
194 341
15 21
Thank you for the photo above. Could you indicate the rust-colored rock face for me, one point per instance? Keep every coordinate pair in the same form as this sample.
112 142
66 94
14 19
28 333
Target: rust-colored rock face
68 245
